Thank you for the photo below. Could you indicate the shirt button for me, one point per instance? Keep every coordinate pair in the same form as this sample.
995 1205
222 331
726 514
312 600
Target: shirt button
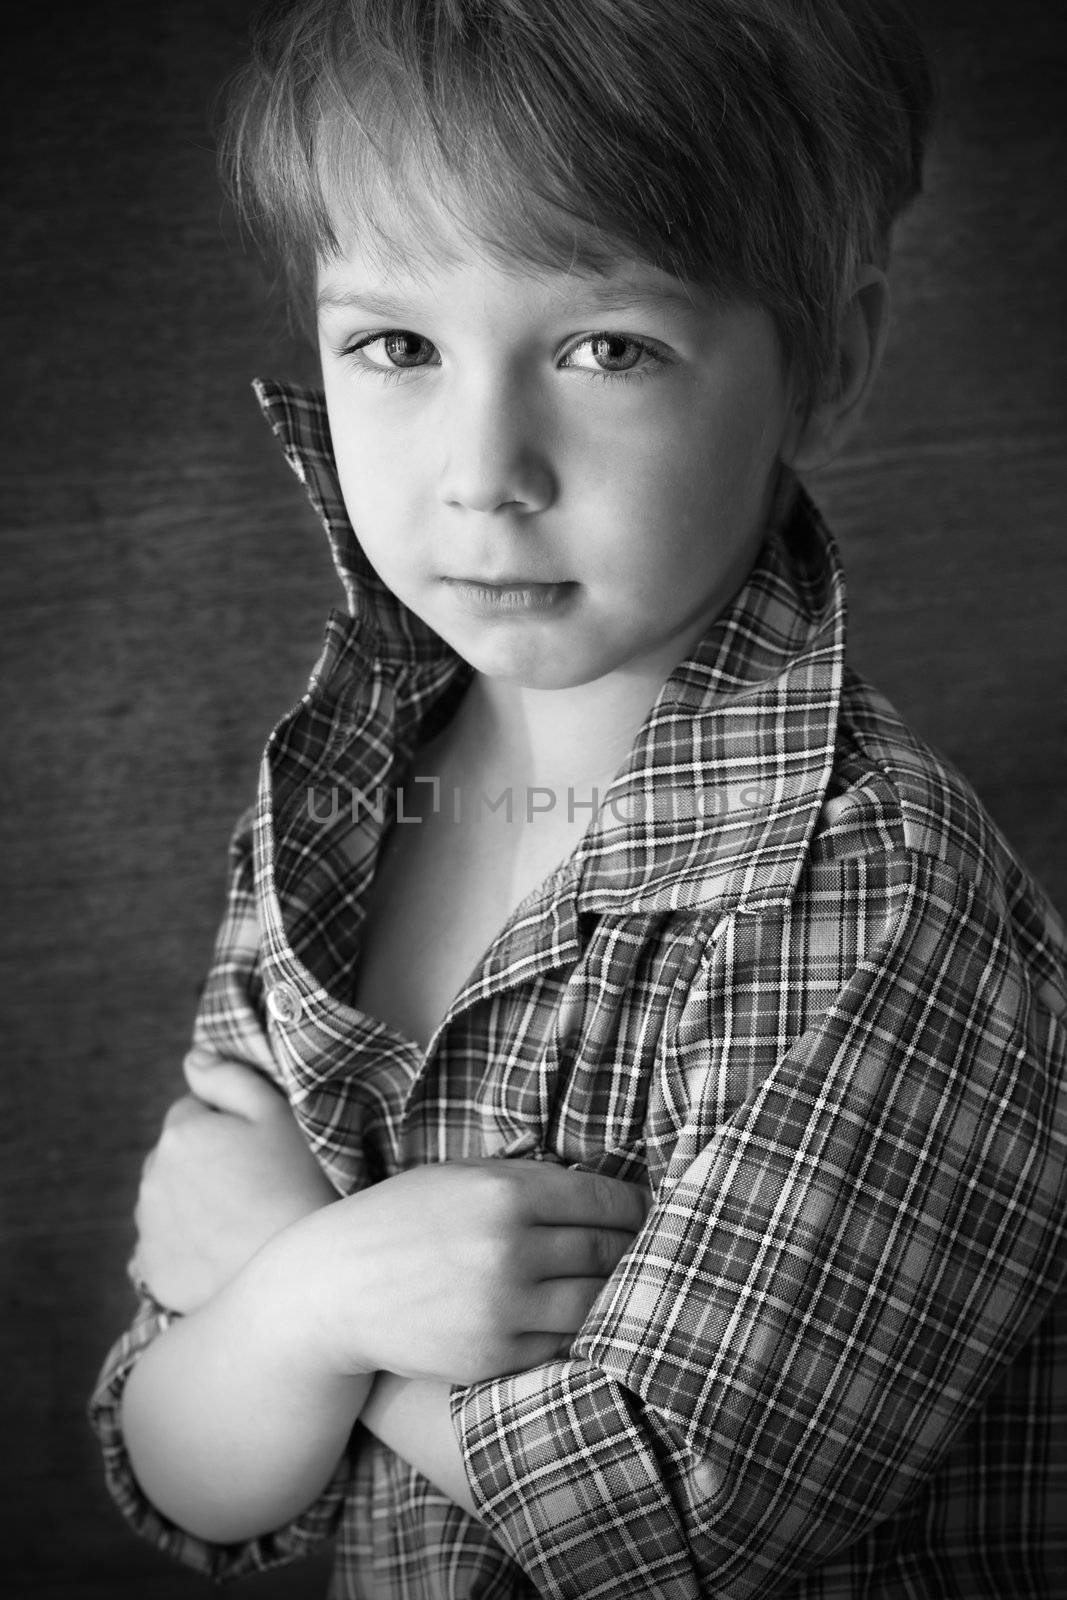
706 1480
284 1003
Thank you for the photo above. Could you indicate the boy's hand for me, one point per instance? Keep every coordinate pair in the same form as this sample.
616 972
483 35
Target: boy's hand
458 1270
230 1170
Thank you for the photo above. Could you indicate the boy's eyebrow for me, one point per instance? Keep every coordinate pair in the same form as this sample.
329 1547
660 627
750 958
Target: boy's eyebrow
616 294
352 299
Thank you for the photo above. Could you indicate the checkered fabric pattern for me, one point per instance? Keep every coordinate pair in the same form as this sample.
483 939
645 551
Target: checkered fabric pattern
822 1020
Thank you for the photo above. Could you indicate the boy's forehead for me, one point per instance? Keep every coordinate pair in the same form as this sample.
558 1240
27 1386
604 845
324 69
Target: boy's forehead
420 247
397 224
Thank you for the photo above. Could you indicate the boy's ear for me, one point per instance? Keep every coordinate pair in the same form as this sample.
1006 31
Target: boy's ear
823 427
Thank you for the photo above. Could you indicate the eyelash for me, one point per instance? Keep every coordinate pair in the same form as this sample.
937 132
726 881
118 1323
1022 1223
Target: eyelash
655 358
390 375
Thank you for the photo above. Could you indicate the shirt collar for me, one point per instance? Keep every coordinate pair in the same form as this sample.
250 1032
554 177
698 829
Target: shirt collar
719 797
729 772
298 419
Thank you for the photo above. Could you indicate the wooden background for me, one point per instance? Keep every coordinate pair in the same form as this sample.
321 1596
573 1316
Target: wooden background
163 586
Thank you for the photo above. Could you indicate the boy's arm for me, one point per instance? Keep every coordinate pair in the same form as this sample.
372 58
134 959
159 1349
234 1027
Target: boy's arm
180 1404
231 1391
860 1223
230 1026
413 1416
237 1417
230 1170
233 1428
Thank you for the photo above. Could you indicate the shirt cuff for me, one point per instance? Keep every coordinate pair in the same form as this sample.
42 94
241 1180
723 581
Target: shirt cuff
570 1485
220 1562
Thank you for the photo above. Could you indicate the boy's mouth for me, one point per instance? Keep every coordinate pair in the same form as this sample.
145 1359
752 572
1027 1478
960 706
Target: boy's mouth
509 595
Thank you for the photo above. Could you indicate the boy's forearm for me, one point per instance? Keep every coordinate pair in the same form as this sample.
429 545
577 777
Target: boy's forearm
413 1417
236 1418
231 1430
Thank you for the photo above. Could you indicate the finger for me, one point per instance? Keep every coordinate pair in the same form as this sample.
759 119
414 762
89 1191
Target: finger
577 1252
585 1199
184 1110
536 1349
561 1306
230 1086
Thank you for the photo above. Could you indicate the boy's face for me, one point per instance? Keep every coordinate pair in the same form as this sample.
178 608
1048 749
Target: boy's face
566 475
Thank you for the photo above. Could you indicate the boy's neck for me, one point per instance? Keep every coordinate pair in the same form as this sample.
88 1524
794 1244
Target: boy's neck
554 738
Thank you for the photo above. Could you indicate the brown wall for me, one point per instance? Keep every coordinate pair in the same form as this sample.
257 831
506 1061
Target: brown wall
163 588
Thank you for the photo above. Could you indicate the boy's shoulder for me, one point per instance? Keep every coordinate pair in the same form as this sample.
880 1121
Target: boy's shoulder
889 788
889 792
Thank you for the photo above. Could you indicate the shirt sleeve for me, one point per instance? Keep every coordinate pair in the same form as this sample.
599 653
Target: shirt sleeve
231 1016
860 1222
230 1020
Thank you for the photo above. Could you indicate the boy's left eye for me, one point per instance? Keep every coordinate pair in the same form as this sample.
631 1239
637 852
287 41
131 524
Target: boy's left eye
607 353
396 349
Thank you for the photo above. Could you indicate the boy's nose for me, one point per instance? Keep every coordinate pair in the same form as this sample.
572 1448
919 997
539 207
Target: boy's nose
495 456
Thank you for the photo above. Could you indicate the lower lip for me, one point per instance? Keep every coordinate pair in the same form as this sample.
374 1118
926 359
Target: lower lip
510 599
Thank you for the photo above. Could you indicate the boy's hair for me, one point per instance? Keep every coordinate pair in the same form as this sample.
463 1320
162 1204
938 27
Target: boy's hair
760 149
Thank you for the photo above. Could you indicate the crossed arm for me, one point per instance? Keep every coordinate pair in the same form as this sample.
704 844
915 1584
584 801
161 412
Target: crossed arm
844 1264
303 1313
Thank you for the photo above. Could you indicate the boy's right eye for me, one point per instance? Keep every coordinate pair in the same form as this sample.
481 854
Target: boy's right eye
396 348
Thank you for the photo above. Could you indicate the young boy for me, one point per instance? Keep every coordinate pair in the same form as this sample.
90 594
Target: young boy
665 1193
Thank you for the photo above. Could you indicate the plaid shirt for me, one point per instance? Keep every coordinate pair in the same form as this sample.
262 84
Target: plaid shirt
794 980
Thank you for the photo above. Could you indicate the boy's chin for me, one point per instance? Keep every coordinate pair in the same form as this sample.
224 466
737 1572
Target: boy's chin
520 652
524 665
547 676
